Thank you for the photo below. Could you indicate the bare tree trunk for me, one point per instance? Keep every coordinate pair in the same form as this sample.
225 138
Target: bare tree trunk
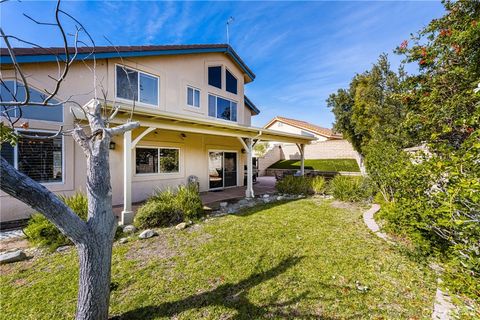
94 280
95 254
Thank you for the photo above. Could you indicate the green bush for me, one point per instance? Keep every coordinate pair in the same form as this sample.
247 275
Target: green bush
188 202
319 185
294 185
40 231
167 207
348 188
155 213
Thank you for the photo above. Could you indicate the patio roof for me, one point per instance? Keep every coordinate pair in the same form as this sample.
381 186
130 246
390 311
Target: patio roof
154 118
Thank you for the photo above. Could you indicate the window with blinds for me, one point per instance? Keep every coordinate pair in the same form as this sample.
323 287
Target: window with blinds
40 159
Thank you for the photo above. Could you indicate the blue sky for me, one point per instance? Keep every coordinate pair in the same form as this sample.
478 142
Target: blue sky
300 51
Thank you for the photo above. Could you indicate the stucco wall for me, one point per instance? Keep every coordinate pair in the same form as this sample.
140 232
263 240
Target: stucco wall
329 149
273 155
193 161
175 72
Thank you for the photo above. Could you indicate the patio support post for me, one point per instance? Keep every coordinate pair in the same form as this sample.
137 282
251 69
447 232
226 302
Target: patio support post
301 147
249 192
127 213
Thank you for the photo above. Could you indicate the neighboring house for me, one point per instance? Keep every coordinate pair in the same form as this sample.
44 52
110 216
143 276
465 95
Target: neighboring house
195 120
328 144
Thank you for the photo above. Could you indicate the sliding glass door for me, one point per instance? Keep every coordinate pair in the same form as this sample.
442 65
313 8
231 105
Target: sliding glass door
222 169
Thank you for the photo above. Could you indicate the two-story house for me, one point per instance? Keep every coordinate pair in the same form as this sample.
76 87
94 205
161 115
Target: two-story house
195 120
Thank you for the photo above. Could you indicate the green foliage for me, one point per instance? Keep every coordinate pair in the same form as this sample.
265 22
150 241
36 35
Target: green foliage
7 135
260 148
330 165
155 213
384 164
168 207
294 185
431 197
40 231
319 185
188 201
370 107
348 188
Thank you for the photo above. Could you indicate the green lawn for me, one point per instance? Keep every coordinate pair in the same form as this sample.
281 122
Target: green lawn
349 165
306 259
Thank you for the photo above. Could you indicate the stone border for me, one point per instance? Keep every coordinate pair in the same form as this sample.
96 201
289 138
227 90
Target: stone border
442 307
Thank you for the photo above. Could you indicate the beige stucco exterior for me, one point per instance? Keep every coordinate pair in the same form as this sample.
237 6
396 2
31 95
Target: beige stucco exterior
175 73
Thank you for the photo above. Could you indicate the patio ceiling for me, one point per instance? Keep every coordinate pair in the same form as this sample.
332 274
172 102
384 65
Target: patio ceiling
154 118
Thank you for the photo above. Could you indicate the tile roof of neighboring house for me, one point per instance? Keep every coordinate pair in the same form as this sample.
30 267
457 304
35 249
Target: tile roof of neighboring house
329 133
26 55
251 105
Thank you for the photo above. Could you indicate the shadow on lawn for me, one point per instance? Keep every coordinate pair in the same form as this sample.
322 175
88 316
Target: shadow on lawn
232 296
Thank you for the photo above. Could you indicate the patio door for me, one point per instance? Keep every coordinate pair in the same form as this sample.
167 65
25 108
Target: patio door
222 169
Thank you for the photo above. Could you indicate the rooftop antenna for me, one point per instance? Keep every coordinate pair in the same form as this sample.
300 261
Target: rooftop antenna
229 21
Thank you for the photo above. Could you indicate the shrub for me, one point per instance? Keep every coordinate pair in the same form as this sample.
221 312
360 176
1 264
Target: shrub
167 207
40 231
294 185
155 213
319 185
347 188
188 202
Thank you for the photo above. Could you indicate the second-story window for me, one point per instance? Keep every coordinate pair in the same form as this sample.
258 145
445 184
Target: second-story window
137 86
193 97
222 108
231 82
215 76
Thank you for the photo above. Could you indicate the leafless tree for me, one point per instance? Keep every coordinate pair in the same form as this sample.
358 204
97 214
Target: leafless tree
93 238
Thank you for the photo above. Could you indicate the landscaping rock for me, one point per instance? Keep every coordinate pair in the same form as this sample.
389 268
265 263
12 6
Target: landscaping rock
266 200
14 256
129 229
266 196
63 248
123 240
232 210
243 202
223 204
279 198
181 226
147 234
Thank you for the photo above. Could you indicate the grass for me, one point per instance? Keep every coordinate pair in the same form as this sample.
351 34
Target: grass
349 165
301 259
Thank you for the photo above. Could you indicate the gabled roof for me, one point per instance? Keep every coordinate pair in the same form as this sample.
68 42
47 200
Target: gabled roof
251 106
31 55
328 133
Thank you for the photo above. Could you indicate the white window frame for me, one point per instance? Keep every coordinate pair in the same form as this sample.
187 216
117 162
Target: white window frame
15 154
138 86
215 117
158 156
199 97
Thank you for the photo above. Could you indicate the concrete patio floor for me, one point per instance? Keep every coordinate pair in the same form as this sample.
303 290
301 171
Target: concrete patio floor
212 199
263 185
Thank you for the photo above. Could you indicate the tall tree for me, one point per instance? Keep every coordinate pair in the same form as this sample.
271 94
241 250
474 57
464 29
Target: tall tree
371 107
93 238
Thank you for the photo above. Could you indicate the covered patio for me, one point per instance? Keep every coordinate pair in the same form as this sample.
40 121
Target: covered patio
243 137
